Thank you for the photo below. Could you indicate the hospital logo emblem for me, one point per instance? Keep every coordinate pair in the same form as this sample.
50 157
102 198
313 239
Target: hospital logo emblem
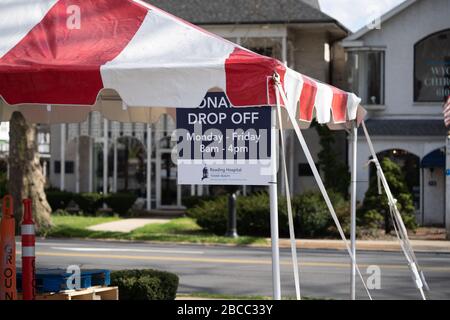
205 173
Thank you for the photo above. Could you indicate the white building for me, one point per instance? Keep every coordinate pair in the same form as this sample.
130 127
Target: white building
402 72
43 140
294 31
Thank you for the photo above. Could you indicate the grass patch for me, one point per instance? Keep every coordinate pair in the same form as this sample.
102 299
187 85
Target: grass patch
177 230
73 226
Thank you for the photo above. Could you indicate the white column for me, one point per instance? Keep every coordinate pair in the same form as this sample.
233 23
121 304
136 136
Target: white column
192 190
158 178
178 195
91 165
421 196
200 190
77 164
276 282
149 167
115 166
284 53
354 150
447 189
63 158
105 156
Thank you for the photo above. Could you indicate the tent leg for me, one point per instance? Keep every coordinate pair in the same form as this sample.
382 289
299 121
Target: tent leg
273 191
353 210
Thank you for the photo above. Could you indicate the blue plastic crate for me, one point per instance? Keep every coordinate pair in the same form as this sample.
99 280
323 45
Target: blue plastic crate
55 280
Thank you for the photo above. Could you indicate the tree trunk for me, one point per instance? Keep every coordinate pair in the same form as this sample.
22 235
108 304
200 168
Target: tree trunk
25 172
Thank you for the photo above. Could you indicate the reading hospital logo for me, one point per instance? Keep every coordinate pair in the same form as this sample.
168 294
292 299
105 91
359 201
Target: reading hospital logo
205 173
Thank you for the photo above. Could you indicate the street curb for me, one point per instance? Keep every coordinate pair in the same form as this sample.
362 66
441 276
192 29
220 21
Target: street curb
363 245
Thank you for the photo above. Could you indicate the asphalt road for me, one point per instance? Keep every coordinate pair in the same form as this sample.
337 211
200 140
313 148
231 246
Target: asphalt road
247 271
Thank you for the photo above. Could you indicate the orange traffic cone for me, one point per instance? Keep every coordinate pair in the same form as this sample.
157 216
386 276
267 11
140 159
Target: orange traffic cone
28 257
7 252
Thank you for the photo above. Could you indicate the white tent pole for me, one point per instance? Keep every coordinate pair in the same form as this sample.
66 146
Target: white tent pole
354 150
285 62
149 167
399 226
291 161
288 199
105 156
320 183
62 166
273 191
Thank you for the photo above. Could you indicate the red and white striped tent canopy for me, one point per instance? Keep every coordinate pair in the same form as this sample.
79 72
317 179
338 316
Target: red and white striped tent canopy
61 59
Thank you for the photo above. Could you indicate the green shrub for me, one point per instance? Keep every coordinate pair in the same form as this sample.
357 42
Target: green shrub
89 203
193 201
211 215
311 216
120 203
379 203
57 199
253 215
145 284
372 219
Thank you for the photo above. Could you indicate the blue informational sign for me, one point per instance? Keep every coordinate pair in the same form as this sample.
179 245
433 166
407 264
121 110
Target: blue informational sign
448 172
223 145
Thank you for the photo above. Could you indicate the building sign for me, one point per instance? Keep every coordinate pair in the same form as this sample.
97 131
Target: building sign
218 144
432 68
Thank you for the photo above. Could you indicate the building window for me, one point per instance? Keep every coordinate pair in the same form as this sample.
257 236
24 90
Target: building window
432 68
265 51
69 168
366 76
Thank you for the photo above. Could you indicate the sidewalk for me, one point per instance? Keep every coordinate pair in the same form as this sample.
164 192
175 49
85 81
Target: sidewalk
371 245
126 225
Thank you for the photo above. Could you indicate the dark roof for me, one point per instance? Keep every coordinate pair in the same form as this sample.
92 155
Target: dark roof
242 11
406 128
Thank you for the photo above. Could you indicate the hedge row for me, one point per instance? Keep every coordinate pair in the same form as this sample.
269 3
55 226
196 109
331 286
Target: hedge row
311 215
145 284
90 203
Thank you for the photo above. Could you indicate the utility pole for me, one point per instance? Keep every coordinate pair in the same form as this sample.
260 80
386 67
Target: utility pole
232 214
447 169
